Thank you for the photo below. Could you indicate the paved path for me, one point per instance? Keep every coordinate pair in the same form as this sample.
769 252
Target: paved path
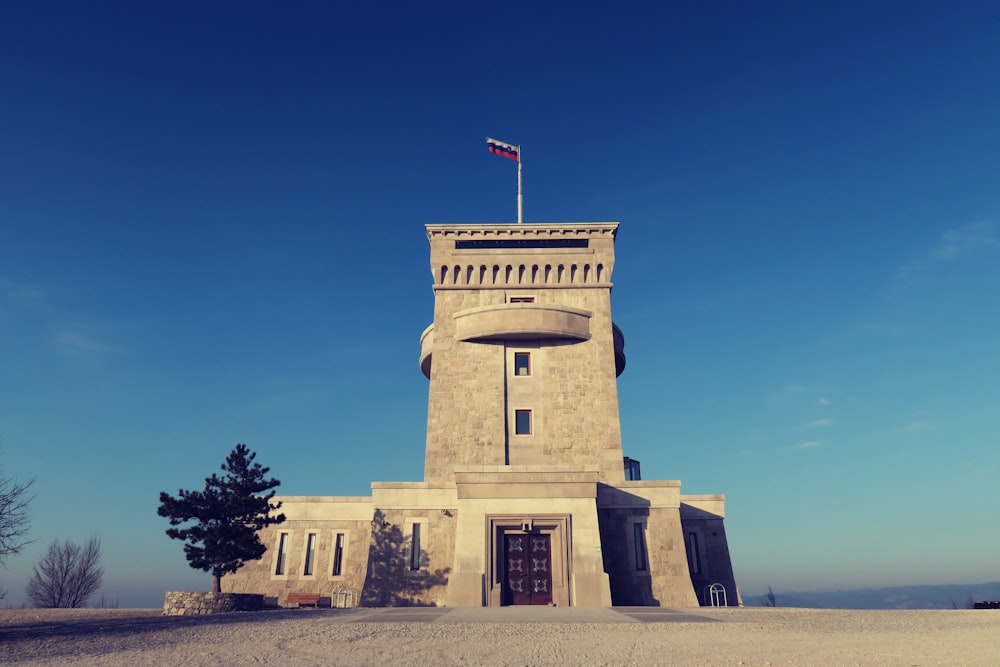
506 636
522 615
20 626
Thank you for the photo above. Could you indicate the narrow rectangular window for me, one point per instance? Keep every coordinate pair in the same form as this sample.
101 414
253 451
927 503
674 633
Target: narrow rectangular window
640 546
522 363
522 422
694 560
338 554
415 547
522 299
279 567
310 554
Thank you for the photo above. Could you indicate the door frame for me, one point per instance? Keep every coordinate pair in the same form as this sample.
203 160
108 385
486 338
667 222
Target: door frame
557 526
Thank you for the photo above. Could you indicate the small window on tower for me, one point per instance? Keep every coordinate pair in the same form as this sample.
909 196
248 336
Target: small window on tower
310 555
522 363
639 542
693 553
521 299
279 567
522 422
338 555
415 547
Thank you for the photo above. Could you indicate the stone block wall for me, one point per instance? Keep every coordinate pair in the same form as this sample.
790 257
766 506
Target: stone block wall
671 579
186 603
473 391
645 565
465 416
705 535
392 579
628 586
324 517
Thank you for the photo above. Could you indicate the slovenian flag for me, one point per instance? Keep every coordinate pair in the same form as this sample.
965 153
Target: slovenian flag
506 150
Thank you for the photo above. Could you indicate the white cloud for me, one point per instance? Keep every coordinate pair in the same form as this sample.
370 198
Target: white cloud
79 346
20 297
70 333
915 426
19 291
786 393
824 401
953 244
808 444
965 239
911 271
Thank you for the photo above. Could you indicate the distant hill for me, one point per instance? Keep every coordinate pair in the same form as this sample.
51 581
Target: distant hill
897 597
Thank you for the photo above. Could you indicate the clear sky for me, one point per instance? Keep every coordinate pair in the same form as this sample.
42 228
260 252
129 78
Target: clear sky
211 232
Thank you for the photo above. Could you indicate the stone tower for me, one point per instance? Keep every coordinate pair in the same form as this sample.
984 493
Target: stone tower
525 498
522 355
523 403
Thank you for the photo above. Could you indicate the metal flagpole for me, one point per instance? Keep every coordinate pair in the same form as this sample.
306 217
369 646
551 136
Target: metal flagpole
514 153
520 199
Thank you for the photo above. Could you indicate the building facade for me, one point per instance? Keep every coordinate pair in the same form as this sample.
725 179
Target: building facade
527 497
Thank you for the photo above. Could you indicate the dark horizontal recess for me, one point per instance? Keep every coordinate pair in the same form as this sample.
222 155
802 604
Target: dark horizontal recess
522 243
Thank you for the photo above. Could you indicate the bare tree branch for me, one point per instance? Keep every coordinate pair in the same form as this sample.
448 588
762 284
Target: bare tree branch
67 576
15 497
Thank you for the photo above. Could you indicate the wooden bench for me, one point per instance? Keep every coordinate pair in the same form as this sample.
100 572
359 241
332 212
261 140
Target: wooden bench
299 599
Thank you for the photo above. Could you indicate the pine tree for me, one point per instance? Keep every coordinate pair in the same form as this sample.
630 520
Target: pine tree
228 515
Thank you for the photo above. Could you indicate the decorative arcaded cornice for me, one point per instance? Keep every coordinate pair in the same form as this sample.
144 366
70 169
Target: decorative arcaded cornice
552 230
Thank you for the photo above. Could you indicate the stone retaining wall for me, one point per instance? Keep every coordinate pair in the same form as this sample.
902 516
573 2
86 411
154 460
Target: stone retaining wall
186 603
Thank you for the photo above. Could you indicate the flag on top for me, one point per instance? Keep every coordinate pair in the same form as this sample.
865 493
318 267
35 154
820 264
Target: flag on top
506 150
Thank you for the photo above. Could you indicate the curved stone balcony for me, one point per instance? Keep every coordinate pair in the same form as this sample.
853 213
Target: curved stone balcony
619 349
522 321
529 322
426 347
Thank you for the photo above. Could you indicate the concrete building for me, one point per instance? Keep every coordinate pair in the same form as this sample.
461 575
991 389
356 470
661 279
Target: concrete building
527 497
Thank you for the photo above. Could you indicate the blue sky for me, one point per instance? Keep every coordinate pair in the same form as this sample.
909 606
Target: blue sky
211 232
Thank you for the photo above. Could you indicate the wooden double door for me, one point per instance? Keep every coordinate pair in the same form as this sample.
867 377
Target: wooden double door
527 569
